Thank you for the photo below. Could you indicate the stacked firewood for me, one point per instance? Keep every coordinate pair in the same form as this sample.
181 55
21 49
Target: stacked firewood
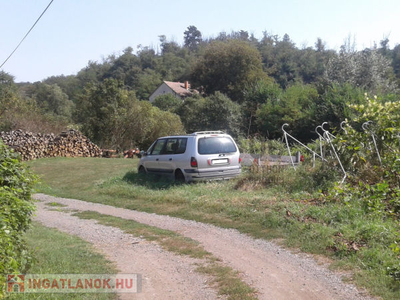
69 143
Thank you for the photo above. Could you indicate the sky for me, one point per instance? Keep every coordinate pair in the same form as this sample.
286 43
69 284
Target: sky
73 32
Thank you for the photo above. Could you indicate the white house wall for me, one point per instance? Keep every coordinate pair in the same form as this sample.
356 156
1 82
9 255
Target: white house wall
162 90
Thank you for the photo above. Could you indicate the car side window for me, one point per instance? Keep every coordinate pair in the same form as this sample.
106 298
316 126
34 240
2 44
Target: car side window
174 146
181 147
171 146
158 147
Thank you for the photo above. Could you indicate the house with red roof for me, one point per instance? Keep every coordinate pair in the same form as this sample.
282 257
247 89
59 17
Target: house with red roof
178 89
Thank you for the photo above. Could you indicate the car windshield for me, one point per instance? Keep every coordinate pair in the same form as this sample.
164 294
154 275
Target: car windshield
215 145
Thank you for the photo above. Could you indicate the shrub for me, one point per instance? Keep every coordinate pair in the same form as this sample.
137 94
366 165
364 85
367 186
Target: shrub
16 183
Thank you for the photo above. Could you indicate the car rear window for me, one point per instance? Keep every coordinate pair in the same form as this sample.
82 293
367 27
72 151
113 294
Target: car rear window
215 145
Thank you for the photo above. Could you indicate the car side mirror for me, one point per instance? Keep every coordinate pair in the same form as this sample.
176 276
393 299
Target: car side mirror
143 153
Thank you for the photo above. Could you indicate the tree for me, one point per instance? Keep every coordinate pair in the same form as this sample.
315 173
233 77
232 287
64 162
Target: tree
146 83
192 114
216 112
296 106
100 110
51 99
228 67
8 93
112 117
173 67
255 95
285 62
192 38
168 46
124 68
332 104
69 85
222 114
396 62
167 102
366 69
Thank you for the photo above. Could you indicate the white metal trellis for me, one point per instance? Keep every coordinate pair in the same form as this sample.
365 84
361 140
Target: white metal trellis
342 126
327 136
286 135
365 127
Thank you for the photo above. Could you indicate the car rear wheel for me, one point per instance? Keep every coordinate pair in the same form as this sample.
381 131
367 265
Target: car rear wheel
179 177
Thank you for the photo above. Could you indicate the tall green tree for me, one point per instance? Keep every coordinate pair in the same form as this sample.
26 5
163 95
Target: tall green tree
112 117
296 106
367 69
228 67
255 95
101 108
51 99
216 112
8 93
192 38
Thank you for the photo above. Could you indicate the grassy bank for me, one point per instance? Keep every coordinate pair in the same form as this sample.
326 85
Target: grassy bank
352 239
55 252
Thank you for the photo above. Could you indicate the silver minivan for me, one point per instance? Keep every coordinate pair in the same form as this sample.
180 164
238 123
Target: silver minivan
203 155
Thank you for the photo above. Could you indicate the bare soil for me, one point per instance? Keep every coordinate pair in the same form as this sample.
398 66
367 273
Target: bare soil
273 271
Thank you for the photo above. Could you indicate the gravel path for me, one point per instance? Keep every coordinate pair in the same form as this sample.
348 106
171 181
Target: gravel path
276 273
164 274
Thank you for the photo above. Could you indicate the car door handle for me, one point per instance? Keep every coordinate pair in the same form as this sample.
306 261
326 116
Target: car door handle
156 159
170 159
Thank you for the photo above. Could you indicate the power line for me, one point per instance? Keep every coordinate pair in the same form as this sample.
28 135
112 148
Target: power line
26 34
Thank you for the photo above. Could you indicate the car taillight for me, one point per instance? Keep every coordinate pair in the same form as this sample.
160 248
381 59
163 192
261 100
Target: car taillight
193 162
240 160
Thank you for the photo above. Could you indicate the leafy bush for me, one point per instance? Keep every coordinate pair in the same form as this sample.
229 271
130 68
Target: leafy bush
16 183
372 158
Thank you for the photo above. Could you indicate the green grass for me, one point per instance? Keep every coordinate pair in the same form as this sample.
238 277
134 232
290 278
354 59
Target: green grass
225 278
167 239
55 252
352 239
55 204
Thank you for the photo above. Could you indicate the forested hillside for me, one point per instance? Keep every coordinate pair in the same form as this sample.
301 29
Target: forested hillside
248 87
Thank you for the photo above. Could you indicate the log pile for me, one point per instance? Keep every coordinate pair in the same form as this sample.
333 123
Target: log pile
69 143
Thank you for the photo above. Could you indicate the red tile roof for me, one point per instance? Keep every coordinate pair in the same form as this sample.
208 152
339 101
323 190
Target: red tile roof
179 88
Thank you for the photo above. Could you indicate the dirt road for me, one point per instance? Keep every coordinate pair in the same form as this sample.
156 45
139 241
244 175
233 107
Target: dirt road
274 272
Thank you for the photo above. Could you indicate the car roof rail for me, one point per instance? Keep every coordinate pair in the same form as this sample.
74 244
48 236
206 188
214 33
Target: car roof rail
208 132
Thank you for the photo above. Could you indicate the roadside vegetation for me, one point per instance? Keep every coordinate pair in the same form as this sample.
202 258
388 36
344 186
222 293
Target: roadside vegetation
54 252
16 209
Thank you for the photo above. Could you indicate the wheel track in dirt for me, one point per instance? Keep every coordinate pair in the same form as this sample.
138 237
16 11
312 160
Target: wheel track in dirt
274 272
